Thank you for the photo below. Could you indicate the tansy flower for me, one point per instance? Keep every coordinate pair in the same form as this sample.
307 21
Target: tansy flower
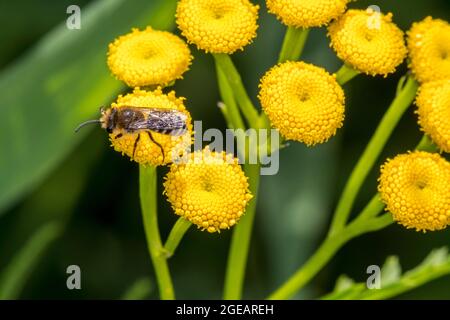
429 49
210 190
139 146
217 26
433 103
149 57
368 41
305 14
304 102
416 189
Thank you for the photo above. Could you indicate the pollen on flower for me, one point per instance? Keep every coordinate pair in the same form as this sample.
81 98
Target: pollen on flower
209 189
433 103
368 41
429 49
148 57
416 189
305 14
304 102
217 26
145 150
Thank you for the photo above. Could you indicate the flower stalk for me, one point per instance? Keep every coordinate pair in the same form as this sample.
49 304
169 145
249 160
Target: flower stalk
372 152
176 235
148 192
293 44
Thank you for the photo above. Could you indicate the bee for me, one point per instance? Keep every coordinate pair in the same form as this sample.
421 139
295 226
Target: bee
131 119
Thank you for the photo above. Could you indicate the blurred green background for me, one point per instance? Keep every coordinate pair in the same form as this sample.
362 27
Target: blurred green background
70 199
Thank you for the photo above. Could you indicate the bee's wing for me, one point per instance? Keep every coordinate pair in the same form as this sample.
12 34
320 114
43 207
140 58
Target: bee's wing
161 120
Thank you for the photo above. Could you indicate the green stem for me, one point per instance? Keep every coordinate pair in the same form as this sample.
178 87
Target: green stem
426 144
233 116
225 64
176 234
345 74
326 251
372 152
240 241
148 192
293 44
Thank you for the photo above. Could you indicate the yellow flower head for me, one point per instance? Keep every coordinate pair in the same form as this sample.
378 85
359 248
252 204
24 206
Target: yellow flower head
429 49
139 145
416 189
304 102
148 57
368 41
218 26
210 190
433 103
305 14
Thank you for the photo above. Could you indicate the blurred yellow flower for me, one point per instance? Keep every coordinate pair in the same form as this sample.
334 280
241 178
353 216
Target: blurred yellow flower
145 150
218 26
429 49
368 41
416 189
305 14
210 190
433 103
148 57
304 102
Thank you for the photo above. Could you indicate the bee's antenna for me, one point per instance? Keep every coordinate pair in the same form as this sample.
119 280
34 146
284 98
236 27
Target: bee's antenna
85 123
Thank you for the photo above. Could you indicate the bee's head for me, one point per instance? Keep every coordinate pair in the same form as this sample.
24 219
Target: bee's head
108 119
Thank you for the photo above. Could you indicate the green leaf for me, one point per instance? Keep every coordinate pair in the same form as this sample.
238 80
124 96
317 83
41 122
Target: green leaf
16 274
60 83
391 271
139 290
435 265
343 283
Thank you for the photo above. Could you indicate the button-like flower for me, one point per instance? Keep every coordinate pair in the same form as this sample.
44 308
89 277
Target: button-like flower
148 57
429 49
210 190
304 102
416 189
433 103
305 14
139 145
218 26
368 41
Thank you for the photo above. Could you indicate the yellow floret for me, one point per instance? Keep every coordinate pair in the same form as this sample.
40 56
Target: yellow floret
305 14
304 102
416 189
433 103
218 26
429 49
210 190
147 152
148 57
368 41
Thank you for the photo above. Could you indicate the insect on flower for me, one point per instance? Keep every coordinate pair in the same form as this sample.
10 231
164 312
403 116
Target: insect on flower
129 119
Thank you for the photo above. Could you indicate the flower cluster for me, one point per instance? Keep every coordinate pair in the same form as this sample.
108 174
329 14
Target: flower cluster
147 148
368 41
210 190
218 26
433 103
305 14
429 49
416 189
304 102
148 57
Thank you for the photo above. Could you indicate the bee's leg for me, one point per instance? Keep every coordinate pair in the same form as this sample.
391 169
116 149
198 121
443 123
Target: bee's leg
135 143
117 136
151 138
